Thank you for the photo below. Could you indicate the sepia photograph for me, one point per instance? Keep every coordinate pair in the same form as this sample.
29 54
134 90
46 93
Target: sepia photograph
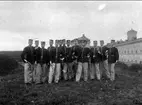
70 52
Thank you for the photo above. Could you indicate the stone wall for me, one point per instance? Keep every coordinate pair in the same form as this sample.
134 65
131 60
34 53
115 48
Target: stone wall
130 53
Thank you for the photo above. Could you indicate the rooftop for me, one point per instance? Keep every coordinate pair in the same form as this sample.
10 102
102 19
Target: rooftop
139 40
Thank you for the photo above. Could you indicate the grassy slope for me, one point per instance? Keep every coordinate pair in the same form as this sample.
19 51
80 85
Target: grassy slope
14 54
13 91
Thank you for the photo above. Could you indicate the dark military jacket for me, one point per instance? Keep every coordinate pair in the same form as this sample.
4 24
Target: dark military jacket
58 54
84 55
103 53
37 54
52 53
69 55
75 50
64 52
113 55
44 56
95 55
28 54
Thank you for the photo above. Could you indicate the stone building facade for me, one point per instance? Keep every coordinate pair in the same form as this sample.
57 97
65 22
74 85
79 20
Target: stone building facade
130 51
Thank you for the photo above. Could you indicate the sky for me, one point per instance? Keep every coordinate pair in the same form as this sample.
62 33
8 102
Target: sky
44 20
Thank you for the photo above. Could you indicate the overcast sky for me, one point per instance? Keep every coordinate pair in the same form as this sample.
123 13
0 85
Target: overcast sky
108 20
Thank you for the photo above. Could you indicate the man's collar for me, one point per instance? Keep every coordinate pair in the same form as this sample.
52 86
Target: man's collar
36 47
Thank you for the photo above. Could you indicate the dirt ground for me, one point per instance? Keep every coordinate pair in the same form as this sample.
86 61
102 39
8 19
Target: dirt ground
126 90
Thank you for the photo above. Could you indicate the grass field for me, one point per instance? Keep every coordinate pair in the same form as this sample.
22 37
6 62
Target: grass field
13 54
126 90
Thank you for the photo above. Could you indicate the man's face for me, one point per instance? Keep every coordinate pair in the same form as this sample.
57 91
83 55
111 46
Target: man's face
42 45
84 43
56 43
64 42
101 43
68 43
51 42
112 43
30 42
76 42
36 43
95 44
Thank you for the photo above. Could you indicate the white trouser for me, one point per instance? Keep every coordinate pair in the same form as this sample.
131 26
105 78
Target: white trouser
65 68
37 73
28 73
95 70
112 71
54 70
44 72
81 66
105 66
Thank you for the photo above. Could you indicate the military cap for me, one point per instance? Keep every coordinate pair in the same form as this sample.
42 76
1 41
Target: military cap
68 40
94 41
101 40
30 39
57 41
63 39
112 41
42 42
36 40
51 40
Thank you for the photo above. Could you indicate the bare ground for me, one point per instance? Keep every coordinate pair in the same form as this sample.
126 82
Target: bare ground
126 90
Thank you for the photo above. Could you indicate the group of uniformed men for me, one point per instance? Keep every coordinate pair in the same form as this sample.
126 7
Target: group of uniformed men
67 62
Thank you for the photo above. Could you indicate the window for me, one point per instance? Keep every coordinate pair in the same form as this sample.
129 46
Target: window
136 51
125 52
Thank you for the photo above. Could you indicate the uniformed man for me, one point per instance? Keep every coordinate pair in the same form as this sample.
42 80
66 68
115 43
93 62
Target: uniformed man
113 57
37 66
52 53
83 59
95 60
60 46
28 58
56 69
75 53
68 73
58 61
44 62
104 63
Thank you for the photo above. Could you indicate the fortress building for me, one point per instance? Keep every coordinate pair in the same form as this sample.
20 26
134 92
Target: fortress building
130 51
80 39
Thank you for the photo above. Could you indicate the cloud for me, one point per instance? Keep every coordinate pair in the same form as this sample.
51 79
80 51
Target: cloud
20 21
101 7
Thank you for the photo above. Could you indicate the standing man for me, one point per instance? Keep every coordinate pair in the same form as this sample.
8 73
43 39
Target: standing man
58 61
44 62
83 59
52 53
55 67
68 72
64 59
95 60
28 58
113 57
75 53
63 48
104 62
37 66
